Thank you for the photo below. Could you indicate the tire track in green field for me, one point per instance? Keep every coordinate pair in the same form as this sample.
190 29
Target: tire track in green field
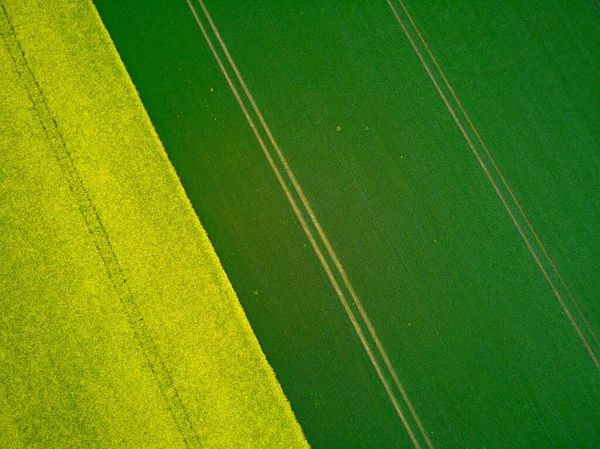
484 157
339 280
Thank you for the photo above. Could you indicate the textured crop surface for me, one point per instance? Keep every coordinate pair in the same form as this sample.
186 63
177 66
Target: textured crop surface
118 325
404 195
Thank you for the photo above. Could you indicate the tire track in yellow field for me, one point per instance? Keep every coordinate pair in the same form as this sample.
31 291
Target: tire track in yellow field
98 233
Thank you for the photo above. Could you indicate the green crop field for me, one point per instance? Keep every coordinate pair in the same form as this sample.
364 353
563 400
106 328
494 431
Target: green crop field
118 326
405 197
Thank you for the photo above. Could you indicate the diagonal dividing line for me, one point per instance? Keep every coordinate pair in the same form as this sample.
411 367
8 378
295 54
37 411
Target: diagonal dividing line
310 234
513 215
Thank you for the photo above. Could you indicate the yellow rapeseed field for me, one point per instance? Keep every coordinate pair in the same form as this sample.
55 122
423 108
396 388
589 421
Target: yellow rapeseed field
118 325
